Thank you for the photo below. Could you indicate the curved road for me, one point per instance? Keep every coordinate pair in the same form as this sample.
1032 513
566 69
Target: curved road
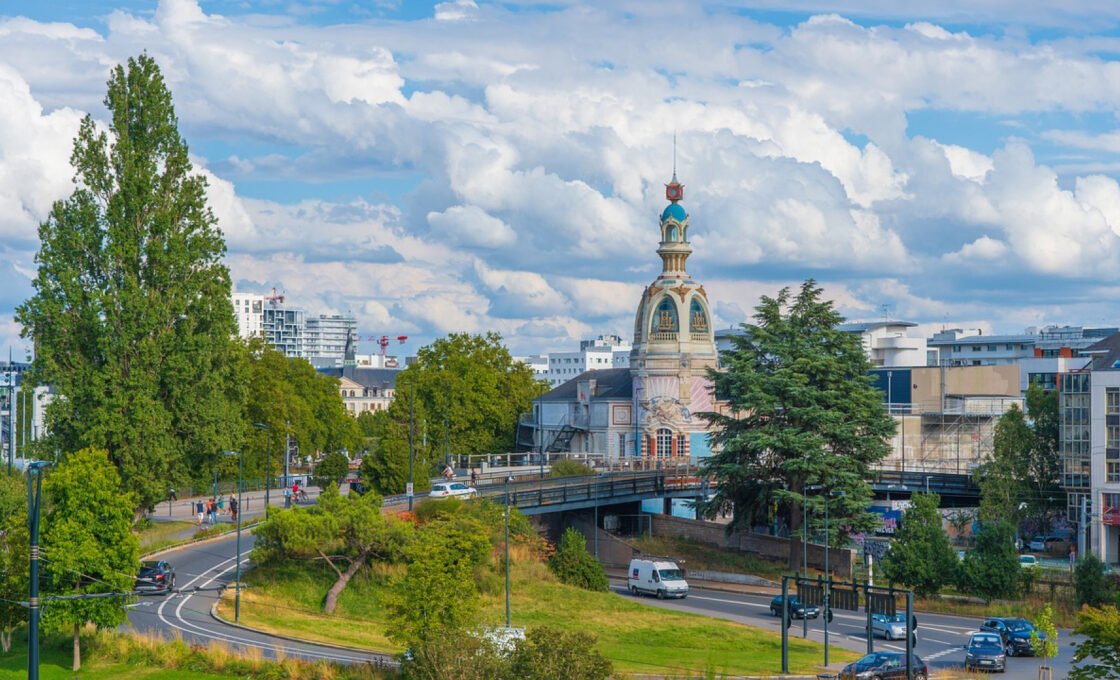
187 611
211 565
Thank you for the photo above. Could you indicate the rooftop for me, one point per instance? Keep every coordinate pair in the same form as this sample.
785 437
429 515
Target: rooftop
610 383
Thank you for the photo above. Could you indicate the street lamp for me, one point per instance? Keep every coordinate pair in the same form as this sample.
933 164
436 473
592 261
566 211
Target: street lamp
267 463
237 555
34 498
508 480
805 544
827 572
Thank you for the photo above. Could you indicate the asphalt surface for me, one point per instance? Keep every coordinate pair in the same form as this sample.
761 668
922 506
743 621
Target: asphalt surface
187 612
209 566
941 638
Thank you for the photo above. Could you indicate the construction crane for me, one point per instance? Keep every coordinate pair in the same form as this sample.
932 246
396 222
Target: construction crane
275 298
384 340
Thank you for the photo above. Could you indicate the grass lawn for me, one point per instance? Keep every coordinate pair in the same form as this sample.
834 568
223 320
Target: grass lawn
709 558
54 664
638 638
161 534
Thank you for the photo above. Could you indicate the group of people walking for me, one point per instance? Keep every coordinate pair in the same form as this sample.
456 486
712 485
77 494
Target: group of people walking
209 510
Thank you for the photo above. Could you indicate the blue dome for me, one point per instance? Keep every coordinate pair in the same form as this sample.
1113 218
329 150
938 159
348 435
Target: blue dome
676 211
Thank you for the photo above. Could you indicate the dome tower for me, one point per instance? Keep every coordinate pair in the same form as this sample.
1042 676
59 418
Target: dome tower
673 345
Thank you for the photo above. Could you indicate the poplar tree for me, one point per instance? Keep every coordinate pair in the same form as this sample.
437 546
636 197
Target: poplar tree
131 316
800 410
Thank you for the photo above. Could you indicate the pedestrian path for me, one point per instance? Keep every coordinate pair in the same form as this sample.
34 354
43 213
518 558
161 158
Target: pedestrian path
252 502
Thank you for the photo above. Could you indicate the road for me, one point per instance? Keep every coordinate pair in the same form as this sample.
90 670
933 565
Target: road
940 637
208 565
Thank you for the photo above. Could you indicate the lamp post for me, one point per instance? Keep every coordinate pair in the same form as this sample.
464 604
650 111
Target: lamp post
237 555
805 544
827 572
411 427
267 463
508 480
34 498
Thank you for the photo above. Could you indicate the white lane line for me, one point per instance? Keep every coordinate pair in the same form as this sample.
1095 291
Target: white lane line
226 637
725 601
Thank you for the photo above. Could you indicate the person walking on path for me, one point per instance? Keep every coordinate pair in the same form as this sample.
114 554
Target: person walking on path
199 509
474 477
233 508
171 495
221 504
287 497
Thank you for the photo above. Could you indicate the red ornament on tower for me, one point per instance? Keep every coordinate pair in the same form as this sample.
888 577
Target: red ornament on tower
674 190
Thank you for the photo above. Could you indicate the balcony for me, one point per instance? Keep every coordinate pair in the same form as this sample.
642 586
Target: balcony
663 337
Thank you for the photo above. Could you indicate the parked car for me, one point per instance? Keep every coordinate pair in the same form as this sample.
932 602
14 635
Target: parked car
890 627
797 610
1028 562
985 651
155 575
451 489
1015 634
1050 544
885 666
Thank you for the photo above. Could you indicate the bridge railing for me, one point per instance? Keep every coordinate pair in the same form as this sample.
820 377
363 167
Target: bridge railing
561 490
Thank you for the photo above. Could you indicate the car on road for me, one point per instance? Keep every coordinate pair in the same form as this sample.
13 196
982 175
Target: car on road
1015 634
797 610
451 490
1050 544
884 666
1028 562
890 627
155 575
985 652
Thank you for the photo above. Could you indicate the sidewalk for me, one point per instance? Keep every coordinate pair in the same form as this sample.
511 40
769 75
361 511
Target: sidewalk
252 503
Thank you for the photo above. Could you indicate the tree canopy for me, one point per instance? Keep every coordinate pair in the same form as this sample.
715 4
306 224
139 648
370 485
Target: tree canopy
991 568
920 555
462 395
801 411
13 555
131 316
88 545
1098 657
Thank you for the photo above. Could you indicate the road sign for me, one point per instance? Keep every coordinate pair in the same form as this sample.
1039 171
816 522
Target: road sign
882 604
877 549
408 489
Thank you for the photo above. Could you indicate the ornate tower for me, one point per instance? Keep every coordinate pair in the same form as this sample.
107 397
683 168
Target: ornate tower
673 345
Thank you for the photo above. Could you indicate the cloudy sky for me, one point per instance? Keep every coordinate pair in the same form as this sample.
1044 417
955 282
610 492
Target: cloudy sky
473 165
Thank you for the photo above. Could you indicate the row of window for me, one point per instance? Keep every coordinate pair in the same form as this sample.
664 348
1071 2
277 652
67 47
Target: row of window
1010 347
665 317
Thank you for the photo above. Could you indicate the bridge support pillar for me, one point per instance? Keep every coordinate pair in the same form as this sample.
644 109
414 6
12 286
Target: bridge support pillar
668 507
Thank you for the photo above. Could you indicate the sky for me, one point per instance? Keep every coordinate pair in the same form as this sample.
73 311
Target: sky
468 166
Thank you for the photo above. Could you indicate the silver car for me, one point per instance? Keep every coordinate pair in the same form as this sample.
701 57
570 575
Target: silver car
890 627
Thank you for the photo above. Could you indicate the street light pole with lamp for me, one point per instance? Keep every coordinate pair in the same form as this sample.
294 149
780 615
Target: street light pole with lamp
827 572
267 463
34 500
508 480
237 577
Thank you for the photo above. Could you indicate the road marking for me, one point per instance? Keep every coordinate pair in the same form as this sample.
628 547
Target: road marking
720 599
946 652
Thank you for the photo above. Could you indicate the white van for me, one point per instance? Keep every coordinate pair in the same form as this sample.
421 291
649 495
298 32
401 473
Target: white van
657 576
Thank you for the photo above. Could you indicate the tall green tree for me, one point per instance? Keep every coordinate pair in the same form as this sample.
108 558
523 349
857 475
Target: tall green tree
88 545
131 316
800 411
1098 657
331 470
1003 478
1045 498
920 554
13 555
991 568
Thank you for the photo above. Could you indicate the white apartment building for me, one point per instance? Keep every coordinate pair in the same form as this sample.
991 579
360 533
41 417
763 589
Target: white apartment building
605 351
889 344
328 337
249 310
1104 451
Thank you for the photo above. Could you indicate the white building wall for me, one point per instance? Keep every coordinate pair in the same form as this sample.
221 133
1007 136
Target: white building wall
1104 539
248 308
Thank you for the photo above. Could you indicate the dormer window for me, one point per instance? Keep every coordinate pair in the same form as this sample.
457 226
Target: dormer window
665 317
698 318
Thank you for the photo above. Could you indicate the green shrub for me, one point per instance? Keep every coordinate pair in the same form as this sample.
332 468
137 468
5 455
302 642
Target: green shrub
991 569
573 565
567 467
1091 583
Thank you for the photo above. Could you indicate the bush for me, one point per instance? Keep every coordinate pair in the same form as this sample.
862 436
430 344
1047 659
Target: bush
1091 583
991 569
573 565
551 654
569 468
921 556
331 470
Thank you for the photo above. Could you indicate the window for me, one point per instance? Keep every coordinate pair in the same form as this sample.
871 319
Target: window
991 348
1112 471
1112 437
697 318
976 348
665 317
1112 401
664 442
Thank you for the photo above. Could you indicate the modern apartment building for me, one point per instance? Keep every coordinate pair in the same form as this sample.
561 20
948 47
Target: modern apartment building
605 351
1102 511
328 338
970 347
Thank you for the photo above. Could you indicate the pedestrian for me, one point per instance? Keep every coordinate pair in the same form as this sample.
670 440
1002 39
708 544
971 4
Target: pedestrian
210 510
171 495
287 497
474 477
199 509
448 473
233 508
221 503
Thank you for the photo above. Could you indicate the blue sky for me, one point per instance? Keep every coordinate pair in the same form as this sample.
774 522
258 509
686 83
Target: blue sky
468 166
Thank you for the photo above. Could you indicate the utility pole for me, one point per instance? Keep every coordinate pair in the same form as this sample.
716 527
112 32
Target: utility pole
34 498
508 480
411 427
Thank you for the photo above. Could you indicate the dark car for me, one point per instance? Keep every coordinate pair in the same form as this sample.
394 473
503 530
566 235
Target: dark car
884 666
984 652
797 610
155 575
1015 634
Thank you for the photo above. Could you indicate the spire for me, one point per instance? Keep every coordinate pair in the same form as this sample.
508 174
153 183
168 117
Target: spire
674 190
